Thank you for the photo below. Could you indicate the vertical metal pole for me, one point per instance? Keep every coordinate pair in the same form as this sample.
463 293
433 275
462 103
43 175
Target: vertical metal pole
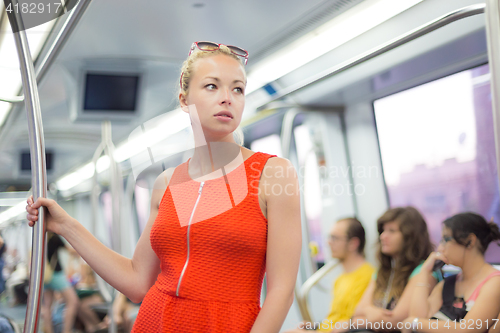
95 191
306 262
286 142
116 189
116 186
39 180
493 37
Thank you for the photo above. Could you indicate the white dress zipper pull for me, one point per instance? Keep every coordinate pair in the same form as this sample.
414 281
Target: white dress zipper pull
187 236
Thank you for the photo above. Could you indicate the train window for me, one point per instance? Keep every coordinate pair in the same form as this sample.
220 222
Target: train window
438 150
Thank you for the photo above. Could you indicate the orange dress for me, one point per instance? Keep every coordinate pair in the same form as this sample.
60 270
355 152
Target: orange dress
211 239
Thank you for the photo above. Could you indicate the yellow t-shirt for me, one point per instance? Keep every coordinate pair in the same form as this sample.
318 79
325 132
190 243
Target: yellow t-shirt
346 294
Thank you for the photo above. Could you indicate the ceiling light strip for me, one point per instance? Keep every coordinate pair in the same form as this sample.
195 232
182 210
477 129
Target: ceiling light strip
370 54
331 35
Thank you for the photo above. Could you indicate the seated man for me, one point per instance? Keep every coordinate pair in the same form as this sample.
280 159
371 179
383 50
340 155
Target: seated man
347 243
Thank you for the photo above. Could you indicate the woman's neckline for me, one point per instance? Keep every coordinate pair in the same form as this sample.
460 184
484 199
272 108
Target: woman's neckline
478 286
209 180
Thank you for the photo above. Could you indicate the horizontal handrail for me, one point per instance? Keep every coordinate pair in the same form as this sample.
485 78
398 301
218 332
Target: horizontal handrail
16 99
392 44
302 297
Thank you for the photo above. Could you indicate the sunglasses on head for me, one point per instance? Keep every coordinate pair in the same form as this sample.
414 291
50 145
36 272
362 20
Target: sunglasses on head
210 46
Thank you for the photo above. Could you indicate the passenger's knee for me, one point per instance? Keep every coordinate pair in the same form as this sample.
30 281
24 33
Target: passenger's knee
45 313
71 299
75 302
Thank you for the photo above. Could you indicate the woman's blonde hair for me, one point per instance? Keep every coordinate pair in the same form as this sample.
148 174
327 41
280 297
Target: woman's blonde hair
187 73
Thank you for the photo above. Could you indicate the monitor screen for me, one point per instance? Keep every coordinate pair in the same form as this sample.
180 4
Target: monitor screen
26 160
108 92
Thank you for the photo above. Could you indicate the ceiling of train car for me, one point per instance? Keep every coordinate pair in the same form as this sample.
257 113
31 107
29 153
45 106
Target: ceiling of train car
461 43
156 36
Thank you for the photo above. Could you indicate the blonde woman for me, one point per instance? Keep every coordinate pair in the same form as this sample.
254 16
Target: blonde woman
215 226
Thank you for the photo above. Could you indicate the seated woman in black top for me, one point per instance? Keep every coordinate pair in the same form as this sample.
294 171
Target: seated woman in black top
471 298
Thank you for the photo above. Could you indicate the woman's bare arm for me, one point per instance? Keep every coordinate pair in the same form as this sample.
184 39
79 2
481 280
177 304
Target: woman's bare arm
132 277
402 309
482 317
435 300
366 311
283 244
423 301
